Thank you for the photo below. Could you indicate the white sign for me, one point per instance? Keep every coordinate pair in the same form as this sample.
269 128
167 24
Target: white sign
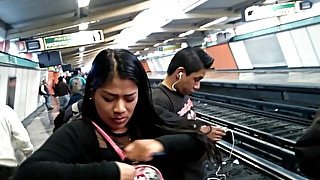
73 39
261 12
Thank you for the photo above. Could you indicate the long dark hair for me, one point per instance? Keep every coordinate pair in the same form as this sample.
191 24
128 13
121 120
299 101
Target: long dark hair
144 122
127 66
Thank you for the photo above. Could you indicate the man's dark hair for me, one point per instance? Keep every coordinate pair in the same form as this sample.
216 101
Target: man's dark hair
192 59
60 78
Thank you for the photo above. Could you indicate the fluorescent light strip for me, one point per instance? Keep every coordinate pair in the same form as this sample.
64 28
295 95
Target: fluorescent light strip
187 33
83 3
168 40
217 21
83 26
81 49
196 4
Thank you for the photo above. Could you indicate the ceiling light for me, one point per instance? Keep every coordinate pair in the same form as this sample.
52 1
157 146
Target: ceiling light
83 26
156 44
217 21
146 49
184 45
83 3
168 40
150 16
81 49
199 2
137 53
186 33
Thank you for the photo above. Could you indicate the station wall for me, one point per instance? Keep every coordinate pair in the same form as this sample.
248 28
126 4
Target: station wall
294 48
19 88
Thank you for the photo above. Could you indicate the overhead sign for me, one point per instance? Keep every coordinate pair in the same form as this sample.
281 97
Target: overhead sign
35 45
261 12
168 47
73 39
31 45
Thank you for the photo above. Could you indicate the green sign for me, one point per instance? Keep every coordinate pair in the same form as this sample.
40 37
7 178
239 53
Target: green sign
73 39
61 38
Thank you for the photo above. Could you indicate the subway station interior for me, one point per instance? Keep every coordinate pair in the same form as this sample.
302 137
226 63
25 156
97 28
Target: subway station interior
264 83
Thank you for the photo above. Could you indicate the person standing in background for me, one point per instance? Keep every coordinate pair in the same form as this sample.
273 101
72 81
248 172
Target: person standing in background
77 83
44 91
77 86
12 135
63 92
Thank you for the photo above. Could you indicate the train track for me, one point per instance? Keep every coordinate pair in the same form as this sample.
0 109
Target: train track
271 136
245 165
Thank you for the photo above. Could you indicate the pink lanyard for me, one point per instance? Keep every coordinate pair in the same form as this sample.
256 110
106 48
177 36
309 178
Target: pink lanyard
140 169
108 138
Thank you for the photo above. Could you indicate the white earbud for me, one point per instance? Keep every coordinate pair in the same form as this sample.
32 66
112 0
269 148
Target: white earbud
180 76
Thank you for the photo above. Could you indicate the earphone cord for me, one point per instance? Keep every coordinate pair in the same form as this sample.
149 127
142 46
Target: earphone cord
217 172
173 88
232 147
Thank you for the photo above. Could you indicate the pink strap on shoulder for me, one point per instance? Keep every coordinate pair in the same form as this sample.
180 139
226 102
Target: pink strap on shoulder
108 138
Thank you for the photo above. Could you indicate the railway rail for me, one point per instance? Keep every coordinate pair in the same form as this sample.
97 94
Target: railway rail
271 136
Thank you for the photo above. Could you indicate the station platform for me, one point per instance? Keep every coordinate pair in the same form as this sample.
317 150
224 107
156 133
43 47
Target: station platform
291 78
40 123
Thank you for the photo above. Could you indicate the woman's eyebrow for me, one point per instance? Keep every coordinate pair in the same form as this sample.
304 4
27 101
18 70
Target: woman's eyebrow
116 95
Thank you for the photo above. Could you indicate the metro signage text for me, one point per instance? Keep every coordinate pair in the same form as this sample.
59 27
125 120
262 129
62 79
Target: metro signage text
73 39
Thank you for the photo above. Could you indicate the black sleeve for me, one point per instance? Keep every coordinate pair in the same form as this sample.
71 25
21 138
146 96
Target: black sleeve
307 151
168 117
182 147
161 99
68 114
68 154
163 108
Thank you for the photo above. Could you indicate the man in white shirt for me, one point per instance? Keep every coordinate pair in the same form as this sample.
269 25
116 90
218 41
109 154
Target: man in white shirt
12 135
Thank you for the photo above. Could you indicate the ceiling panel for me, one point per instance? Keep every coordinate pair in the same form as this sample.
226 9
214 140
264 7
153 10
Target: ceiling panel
40 18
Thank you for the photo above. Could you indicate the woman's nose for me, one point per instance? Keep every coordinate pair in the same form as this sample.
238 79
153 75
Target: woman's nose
120 106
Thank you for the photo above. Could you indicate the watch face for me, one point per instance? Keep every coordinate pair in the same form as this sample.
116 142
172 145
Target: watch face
147 172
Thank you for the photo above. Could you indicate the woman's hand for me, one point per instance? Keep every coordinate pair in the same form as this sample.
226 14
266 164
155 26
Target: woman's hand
127 172
215 134
143 150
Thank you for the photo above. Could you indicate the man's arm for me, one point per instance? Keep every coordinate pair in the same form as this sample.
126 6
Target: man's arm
42 89
163 106
307 150
19 133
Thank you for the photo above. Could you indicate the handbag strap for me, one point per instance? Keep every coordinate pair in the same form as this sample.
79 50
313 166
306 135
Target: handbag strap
111 142
140 168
